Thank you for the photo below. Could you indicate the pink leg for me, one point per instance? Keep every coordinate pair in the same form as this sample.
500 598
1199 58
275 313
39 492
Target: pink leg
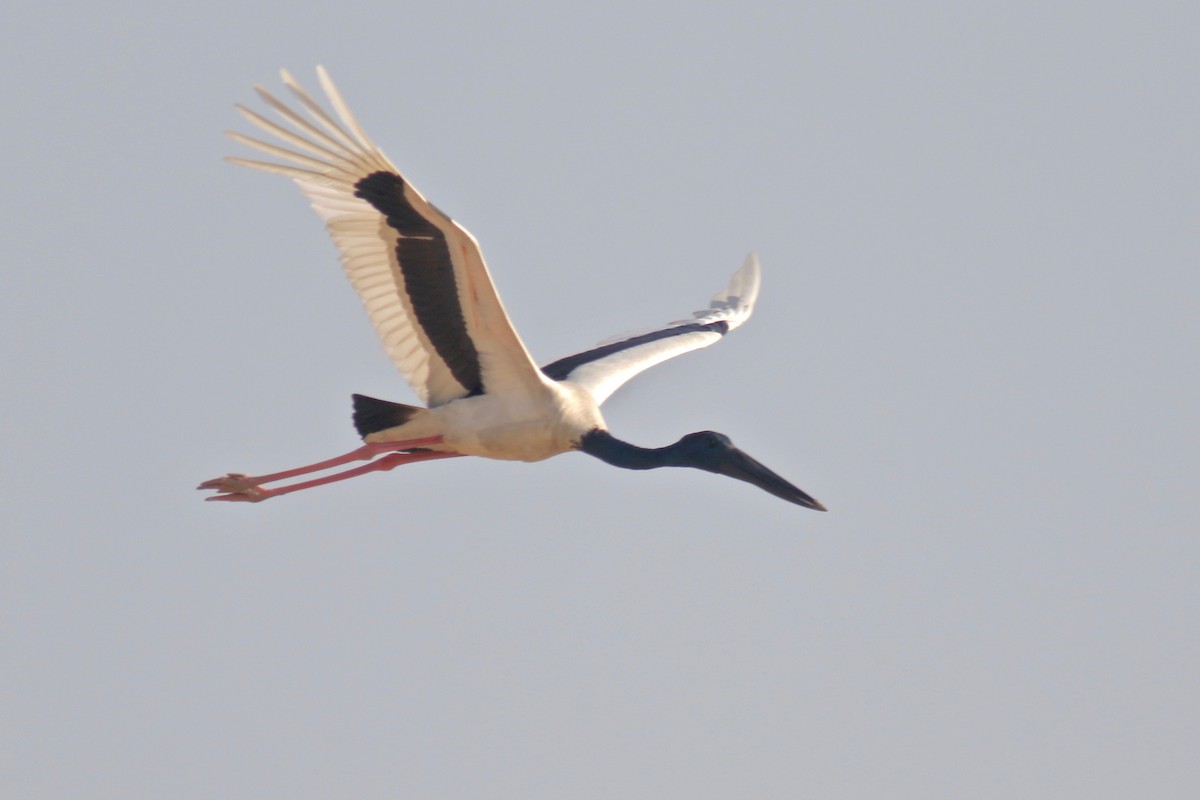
243 491
236 481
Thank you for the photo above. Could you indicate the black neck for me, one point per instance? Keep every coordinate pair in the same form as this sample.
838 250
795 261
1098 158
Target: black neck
611 450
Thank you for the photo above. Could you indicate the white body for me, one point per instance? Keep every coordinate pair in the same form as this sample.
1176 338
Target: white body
508 427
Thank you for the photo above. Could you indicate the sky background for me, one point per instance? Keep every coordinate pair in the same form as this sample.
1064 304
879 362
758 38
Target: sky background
977 343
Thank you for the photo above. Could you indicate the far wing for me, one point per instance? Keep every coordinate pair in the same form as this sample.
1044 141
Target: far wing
420 275
602 369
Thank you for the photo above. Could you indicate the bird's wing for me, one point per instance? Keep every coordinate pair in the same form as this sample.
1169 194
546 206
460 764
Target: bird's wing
420 275
603 368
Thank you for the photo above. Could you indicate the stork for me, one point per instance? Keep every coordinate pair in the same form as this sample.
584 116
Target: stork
423 282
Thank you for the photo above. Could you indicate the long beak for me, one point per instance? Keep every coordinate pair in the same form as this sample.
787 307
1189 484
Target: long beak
738 465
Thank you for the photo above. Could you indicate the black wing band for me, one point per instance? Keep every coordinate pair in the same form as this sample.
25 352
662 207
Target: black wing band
559 370
424 259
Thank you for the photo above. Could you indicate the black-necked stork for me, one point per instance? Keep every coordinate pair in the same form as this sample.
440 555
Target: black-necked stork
425 287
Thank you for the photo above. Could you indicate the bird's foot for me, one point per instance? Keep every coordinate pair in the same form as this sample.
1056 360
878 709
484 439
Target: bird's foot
236 488
231 482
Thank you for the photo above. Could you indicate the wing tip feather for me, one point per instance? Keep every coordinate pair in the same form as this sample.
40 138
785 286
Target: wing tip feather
739 296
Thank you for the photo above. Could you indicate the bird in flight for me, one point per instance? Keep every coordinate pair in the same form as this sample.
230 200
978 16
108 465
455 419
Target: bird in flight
428 294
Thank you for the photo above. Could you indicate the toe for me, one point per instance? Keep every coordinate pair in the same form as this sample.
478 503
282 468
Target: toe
233 482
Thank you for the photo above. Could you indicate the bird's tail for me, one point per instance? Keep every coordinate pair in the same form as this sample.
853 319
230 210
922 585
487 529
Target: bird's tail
371 415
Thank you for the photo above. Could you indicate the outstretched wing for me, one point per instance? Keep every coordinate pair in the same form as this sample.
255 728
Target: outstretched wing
419 274
602 369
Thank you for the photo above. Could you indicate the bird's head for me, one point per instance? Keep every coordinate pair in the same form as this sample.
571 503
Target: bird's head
715 452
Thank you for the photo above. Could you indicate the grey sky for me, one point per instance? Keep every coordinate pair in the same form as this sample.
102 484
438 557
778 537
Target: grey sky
976 343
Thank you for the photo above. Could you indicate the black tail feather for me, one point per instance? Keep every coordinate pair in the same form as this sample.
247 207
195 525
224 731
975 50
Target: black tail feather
371 415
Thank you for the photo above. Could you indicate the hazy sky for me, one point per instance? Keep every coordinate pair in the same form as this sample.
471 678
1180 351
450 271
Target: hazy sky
977 343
